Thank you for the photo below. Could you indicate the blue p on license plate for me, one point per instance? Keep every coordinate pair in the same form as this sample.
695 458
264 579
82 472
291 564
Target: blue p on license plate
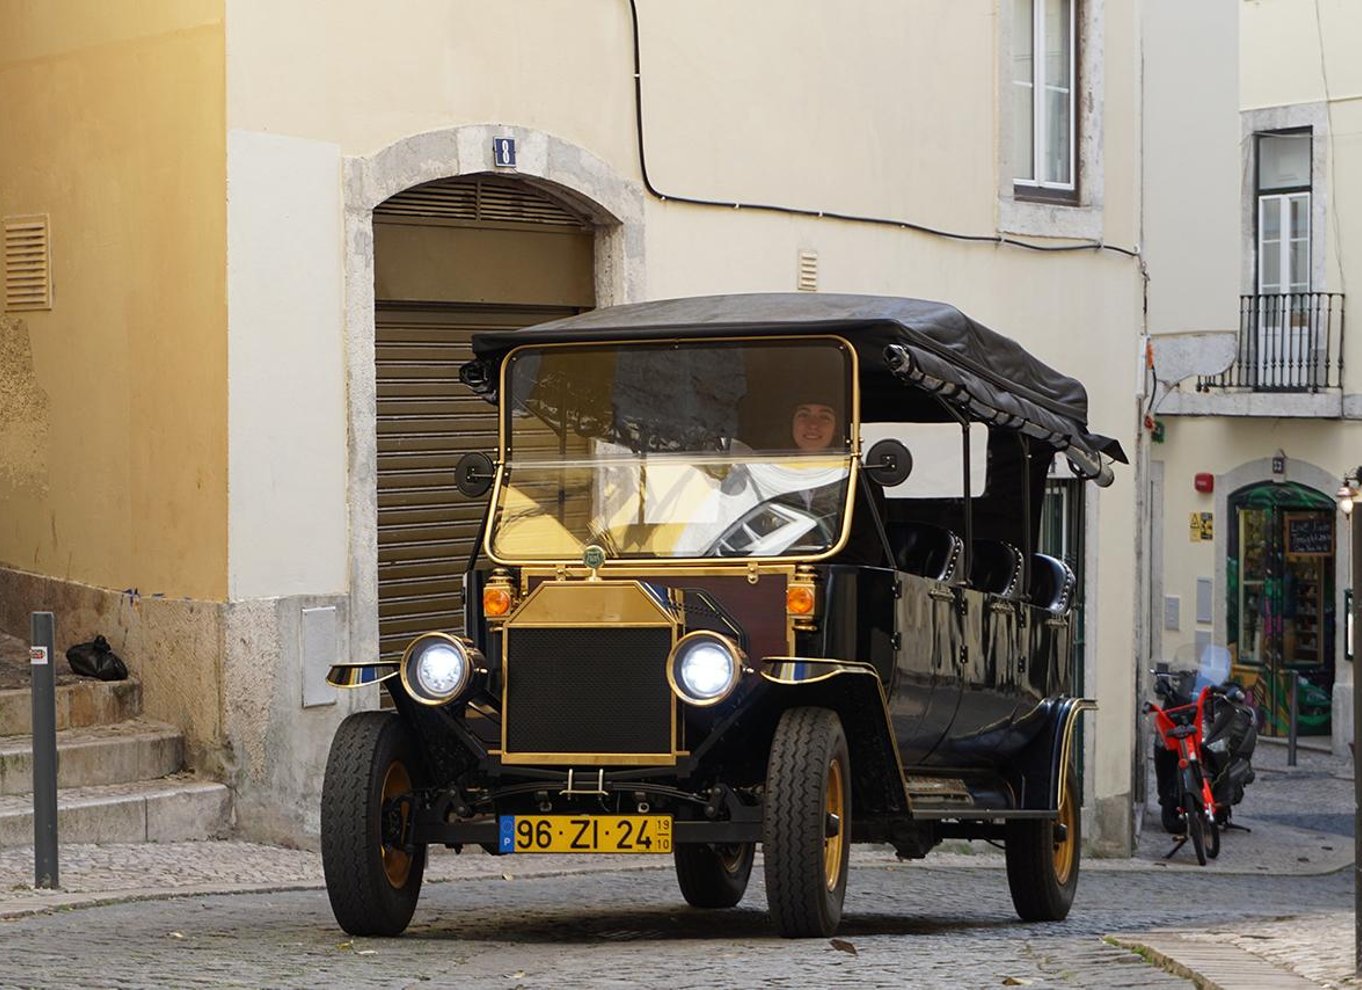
585 834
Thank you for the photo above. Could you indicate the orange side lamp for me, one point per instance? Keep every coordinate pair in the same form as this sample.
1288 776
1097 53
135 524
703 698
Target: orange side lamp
496 601
799 600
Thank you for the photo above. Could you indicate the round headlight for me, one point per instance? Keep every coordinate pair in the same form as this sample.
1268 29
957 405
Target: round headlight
437 668
704 668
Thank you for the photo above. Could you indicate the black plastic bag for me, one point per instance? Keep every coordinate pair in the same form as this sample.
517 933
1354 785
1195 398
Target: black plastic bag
96 659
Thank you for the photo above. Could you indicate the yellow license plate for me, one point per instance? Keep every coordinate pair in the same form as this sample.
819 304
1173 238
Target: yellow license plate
585 834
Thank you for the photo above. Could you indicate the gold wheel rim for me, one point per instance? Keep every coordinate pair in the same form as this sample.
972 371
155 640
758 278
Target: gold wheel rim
396 862
731 857
1063 858
834 804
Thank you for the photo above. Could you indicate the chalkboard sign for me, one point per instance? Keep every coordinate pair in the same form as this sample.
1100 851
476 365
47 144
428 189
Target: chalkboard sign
1309 534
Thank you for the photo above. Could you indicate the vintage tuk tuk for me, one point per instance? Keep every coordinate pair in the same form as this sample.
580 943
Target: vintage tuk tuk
755 570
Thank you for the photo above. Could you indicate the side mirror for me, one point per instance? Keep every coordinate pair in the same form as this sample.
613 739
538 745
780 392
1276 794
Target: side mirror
889 463
473 474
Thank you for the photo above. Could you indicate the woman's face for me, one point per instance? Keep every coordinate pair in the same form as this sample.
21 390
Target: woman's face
814 426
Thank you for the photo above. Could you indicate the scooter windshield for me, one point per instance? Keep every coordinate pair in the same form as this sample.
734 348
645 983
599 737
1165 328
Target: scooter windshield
674 450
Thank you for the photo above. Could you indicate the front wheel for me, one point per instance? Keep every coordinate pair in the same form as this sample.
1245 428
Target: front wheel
1196 827
714 876
373 872
1212 837
1043 859
806 833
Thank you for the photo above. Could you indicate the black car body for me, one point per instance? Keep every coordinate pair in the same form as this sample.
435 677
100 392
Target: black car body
701 619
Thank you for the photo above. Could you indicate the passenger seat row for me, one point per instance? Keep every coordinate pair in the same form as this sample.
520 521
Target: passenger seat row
995 566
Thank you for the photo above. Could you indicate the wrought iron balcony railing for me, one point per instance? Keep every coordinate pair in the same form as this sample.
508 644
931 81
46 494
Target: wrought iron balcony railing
1288 342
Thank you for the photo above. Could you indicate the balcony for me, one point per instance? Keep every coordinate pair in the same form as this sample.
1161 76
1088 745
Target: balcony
1289 342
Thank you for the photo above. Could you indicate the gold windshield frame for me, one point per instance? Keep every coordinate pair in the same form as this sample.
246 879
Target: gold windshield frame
854 454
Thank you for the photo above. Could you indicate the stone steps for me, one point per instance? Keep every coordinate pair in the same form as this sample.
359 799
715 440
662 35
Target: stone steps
172 809
135 749
80 703
120 777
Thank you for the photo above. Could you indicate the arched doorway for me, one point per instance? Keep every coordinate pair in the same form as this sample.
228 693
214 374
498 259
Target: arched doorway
452 257
1280 583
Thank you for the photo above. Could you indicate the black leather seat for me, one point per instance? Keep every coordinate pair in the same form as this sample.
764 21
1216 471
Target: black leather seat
1052 584
920 548
996 567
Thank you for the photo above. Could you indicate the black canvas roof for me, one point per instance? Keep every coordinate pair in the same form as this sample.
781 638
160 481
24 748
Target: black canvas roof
989 375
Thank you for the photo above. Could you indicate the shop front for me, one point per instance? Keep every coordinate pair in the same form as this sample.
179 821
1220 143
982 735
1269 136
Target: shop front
1280 593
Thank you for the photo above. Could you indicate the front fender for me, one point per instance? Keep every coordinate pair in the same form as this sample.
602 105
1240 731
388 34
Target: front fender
353 675
854 691
1043 761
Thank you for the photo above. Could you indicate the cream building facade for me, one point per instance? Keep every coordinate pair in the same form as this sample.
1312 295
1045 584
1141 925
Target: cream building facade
1268 417
270 228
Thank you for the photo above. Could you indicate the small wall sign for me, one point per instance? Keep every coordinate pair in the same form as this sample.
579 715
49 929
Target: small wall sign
1202 528
503 152
37 656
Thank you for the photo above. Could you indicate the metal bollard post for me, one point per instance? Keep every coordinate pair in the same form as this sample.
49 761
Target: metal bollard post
43 681
1291 722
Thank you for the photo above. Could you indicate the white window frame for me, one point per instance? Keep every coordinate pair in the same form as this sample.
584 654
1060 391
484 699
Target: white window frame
1039 110
1287 275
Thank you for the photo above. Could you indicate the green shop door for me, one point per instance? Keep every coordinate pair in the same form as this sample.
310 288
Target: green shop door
1280 620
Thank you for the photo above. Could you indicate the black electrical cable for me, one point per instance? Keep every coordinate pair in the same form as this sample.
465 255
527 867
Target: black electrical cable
996 239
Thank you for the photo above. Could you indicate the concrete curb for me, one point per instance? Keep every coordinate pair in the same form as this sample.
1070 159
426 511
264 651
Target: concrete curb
49 903
1210 966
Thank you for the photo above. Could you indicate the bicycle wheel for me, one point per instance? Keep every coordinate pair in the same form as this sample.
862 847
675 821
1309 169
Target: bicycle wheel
1196 826
1212 837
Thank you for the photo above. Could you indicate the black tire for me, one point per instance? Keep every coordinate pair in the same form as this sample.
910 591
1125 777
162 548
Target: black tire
1212 838
1042 870
713 876
1172 820
1196 826
808 780
373 882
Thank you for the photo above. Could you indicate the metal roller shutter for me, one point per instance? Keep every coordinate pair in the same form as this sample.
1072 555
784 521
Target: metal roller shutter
426 422
453 257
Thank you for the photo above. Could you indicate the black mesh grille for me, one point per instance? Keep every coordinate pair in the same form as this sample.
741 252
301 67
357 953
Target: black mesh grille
588 691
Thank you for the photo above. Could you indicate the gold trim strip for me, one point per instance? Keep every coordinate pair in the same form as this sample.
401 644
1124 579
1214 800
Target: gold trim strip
1066 749
593 759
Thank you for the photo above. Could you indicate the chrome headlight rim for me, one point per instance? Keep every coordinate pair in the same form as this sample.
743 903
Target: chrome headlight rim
683 647
411 682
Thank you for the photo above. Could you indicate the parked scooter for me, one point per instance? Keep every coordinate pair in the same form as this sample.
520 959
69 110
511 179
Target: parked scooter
1202 759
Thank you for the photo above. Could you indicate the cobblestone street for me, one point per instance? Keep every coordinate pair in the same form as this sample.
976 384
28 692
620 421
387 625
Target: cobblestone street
909 925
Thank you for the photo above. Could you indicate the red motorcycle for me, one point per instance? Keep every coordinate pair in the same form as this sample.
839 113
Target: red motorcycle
1181 726
1207 734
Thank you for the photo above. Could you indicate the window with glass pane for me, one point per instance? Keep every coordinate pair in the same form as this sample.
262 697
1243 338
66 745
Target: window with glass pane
1284 213
1043 93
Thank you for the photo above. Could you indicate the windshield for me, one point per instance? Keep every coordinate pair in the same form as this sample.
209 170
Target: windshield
702 449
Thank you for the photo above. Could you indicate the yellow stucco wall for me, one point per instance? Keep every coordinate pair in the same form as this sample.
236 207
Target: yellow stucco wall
114 125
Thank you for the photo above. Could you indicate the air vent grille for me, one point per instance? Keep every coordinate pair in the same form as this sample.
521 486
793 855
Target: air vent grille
808 271
481 199
28 281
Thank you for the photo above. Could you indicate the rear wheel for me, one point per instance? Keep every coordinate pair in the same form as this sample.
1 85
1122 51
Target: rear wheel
806 834
714 876
373 873
1043 859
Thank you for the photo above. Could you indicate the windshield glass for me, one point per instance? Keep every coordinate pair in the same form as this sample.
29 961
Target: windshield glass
703 449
